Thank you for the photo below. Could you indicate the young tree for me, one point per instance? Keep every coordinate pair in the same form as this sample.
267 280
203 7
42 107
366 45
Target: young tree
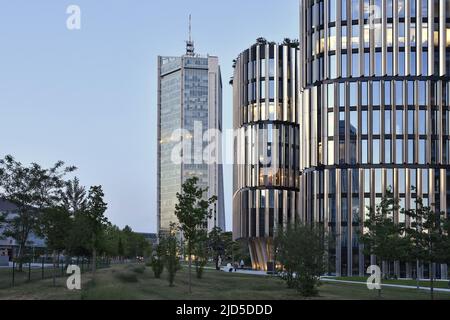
192 211
120 248
2 222
301 250
200 252
428 236
32 189
158 259
384 237
171 260
97 222
112 240
54 224
216 244
74 196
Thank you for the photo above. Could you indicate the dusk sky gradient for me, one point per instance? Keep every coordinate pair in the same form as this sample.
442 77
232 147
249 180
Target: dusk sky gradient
88 97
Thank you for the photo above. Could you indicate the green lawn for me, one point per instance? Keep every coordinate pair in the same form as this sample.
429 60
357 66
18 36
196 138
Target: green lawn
404 282
135 282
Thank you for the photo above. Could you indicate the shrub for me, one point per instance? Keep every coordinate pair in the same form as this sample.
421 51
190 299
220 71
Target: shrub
139 269
127 277
301 250
157 265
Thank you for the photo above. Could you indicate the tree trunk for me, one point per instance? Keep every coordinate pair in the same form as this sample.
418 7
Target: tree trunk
190 267
217 262
417 274
54 268
94 261
432 280
19 257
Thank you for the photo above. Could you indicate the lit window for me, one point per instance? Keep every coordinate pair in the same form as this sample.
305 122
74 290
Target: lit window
355 36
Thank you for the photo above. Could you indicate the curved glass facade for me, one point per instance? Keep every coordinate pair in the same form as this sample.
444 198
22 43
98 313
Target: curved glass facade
266 173
374 114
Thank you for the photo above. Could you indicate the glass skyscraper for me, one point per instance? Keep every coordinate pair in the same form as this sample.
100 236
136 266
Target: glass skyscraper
372 107
375 102
266 163
190 103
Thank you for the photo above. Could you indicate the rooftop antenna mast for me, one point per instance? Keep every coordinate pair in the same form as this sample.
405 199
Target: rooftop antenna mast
190 43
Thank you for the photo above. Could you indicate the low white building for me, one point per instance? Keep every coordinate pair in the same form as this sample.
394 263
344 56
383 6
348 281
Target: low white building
8 245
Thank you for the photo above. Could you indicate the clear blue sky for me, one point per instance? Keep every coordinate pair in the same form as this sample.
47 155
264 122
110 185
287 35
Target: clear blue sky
88 97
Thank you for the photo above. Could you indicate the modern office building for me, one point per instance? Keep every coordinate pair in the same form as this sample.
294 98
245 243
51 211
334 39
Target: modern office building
189 104
266 157
373 114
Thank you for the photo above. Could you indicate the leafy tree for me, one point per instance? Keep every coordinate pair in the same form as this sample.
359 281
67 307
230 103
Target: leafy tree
192 211
120 249
32 189
238 250
2 222
79 238
112 240
428 234
53 226
384 237
135 245
96 220
171 260
74 196
200 252
216 244
157 262
301 250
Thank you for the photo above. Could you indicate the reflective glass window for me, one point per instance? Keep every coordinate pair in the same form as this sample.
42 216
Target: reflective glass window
410 151
376 93
332 66
376 151
355 36
411 124
364 151
364 122
353 94
387 93
355 9
399 152
387 151
399 122
355 64
422 122
387 122
399 93
330 95
332 10
376 122
344 10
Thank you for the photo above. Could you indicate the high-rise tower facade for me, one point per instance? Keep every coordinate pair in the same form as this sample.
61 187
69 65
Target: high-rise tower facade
266 158
189 106
374 114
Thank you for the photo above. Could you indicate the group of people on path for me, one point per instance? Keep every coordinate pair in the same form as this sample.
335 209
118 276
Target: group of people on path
235 266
